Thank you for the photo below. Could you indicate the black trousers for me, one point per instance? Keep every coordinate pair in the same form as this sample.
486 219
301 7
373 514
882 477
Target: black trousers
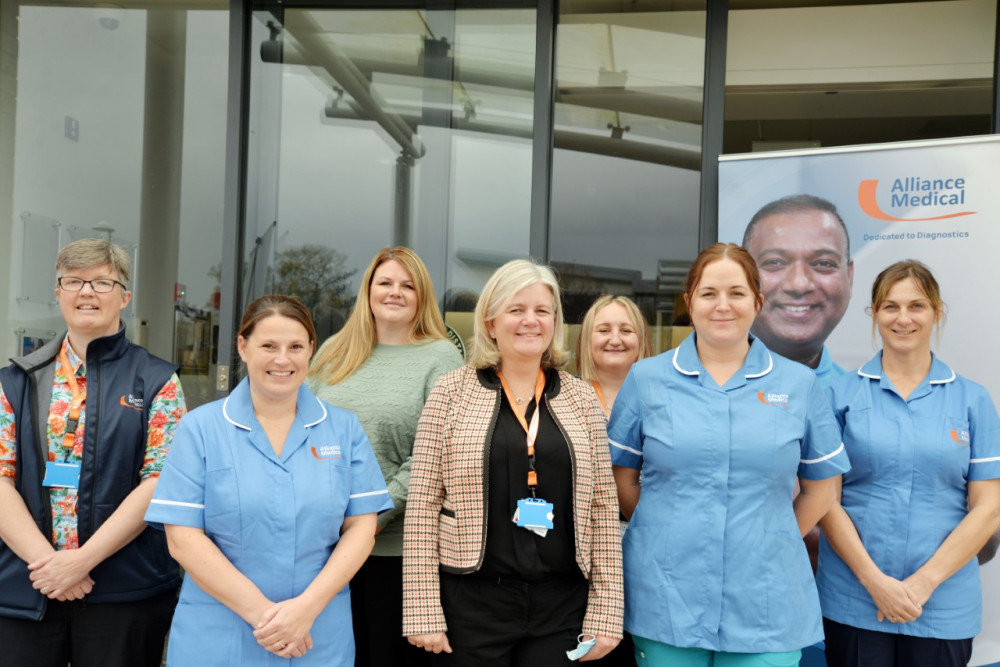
847 646
377 608
112 634
511 623
623 655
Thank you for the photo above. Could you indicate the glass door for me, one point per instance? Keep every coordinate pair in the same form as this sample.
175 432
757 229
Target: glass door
381 127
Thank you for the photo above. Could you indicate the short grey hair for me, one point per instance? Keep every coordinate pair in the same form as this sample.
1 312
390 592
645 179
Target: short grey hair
500 289
88 253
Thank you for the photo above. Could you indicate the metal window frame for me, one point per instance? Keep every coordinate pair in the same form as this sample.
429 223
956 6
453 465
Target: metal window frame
713 120
995 119
541 136
234 195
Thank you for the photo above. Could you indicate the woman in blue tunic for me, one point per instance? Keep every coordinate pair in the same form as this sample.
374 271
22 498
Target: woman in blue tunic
269 499
715 569
898 575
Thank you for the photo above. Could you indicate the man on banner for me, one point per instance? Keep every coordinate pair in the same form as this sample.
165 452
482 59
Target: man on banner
803 251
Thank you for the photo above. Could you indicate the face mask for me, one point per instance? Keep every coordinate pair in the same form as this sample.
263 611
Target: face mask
582 647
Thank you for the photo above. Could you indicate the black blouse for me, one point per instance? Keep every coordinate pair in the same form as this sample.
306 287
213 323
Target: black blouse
518 552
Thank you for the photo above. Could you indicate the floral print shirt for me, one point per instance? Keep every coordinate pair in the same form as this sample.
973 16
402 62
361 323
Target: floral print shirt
165 411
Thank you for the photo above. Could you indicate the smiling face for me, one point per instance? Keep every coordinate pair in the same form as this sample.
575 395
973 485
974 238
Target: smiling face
88 314
906 318
614 341
277 357
722 305
806 279
392 296
524 328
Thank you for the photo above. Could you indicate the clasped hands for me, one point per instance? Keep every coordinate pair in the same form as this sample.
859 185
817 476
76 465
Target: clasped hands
900 601
284 628
62 575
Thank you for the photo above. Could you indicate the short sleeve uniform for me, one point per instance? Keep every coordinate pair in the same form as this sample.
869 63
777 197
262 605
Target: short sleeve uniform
277 519
908 489
713 558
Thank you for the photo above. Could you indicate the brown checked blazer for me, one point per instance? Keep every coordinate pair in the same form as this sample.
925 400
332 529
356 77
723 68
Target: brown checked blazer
445 513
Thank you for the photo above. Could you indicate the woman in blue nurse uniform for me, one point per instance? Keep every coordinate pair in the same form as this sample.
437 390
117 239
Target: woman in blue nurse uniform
715 569
269 499
898 575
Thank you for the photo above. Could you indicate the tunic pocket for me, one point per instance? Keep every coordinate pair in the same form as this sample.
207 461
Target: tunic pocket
448 535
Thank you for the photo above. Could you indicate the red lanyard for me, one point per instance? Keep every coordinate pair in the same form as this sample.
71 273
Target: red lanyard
600 397
69 437
531 430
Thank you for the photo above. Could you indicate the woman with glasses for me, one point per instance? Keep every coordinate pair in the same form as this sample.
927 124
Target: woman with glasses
85 423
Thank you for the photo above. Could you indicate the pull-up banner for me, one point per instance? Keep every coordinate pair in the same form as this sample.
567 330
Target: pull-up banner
934 201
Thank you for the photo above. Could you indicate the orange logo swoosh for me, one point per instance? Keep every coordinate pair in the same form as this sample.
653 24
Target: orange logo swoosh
869 204
122 401
781 401
322 456
956 438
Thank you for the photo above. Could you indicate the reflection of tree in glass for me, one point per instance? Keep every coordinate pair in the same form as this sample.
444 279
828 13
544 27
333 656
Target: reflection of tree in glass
316 275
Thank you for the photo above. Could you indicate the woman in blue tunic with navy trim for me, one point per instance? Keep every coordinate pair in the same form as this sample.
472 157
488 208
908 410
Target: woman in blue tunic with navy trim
269 499
898 575
715 569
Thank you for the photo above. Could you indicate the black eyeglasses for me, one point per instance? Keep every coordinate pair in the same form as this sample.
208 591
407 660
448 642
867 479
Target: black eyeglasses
99 285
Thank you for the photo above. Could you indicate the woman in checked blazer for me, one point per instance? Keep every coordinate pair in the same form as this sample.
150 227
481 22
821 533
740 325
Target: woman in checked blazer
478 587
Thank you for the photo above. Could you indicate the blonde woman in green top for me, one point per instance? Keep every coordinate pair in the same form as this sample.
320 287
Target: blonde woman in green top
382 366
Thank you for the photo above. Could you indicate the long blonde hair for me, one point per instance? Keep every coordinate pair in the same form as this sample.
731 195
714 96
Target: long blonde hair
346 351
584 358
500 289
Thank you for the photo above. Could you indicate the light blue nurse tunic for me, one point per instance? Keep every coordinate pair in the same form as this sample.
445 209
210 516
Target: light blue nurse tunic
827 370
908 489
277 519
713 558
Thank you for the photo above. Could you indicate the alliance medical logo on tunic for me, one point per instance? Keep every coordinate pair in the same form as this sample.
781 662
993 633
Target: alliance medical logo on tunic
961 436
892 200
773 398
326 451
131 402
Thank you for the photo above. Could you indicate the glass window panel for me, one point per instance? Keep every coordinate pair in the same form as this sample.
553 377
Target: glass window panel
381 127
626 165
858 73
114 127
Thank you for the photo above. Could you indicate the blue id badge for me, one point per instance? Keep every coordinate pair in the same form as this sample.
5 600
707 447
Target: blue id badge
535 514
66 475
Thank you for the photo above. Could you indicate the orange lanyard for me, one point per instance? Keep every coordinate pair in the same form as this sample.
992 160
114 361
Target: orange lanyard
600 396
69 437
531 430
